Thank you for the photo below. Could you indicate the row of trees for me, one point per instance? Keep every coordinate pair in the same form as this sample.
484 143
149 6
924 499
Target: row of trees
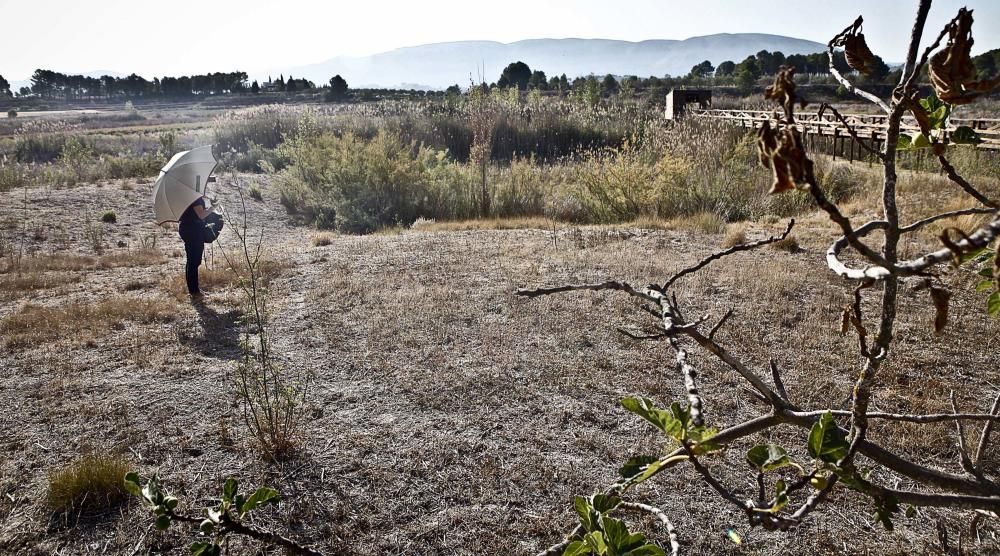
743 75
50 84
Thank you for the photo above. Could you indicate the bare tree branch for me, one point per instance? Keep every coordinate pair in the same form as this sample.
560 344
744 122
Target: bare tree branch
718 255
843 80
954 176
690 383
719 324
779 385
905 418
913 267
963 453
944 215
984 438
850 129
621 286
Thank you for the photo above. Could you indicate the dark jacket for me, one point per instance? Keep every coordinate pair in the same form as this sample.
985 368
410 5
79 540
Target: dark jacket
190 226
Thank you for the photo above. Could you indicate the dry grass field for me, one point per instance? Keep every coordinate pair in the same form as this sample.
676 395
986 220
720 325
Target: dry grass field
445 415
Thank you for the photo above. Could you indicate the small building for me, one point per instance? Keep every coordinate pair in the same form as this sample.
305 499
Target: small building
677 99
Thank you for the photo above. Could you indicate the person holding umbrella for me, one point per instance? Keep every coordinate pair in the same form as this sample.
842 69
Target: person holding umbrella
179 196
192 231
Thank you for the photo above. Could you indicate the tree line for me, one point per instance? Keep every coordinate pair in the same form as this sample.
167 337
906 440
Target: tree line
50 84
743 75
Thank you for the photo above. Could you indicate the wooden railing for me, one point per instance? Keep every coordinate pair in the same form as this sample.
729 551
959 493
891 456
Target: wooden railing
869 127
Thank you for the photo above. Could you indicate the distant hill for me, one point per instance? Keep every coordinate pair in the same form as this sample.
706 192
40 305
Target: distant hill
439 65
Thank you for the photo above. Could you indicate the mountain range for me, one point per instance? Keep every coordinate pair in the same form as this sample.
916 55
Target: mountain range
438 65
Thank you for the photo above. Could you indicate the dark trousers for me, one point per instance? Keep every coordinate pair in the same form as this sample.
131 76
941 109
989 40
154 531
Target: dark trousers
194 248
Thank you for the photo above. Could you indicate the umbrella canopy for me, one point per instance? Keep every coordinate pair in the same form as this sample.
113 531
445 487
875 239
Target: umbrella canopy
182 181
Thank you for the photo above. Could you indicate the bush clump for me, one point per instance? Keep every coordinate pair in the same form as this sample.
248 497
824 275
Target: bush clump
93 482
357 186
109 217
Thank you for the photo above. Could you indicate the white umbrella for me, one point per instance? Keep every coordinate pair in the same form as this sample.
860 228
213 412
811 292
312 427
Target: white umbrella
182 181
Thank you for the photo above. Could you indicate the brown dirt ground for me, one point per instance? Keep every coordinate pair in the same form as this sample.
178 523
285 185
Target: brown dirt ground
447 415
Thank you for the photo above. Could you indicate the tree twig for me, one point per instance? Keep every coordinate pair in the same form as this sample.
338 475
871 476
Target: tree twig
719 254
944 215
611 285
719 324
850 129
963 453
843 80
955 177
984 438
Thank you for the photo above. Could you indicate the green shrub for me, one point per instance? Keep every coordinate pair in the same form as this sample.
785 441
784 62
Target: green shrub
13 176
38 147
255 192
130 166
109 217
93 482
357 186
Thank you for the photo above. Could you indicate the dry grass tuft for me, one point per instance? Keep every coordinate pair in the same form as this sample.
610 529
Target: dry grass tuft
789 244
70 262
33 324
322 239
526 223
706 222
647 222
735 235
33 281
94 482
219 277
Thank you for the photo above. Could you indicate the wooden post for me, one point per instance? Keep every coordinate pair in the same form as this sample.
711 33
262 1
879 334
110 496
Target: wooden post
836 135
874 147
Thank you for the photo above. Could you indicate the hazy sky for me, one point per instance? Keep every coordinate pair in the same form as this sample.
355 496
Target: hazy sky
178 37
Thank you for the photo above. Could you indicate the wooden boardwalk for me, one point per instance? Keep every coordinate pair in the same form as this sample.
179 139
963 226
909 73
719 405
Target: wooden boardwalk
869 127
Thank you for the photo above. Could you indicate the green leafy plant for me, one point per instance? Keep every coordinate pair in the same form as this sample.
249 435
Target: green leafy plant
603 535
109 217
227 518
987 264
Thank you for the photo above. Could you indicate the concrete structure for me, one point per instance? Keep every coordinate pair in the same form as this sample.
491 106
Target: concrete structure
678 98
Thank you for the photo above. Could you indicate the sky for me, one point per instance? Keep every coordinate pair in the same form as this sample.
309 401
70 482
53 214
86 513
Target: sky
179 37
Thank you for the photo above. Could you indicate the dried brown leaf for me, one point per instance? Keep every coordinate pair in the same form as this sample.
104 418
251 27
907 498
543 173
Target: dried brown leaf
952 73
940 298
783 152
859 56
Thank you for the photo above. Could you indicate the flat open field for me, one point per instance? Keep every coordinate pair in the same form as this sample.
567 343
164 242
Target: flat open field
447 416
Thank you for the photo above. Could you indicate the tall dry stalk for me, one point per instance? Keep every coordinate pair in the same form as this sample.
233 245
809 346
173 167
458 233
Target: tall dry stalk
272 395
